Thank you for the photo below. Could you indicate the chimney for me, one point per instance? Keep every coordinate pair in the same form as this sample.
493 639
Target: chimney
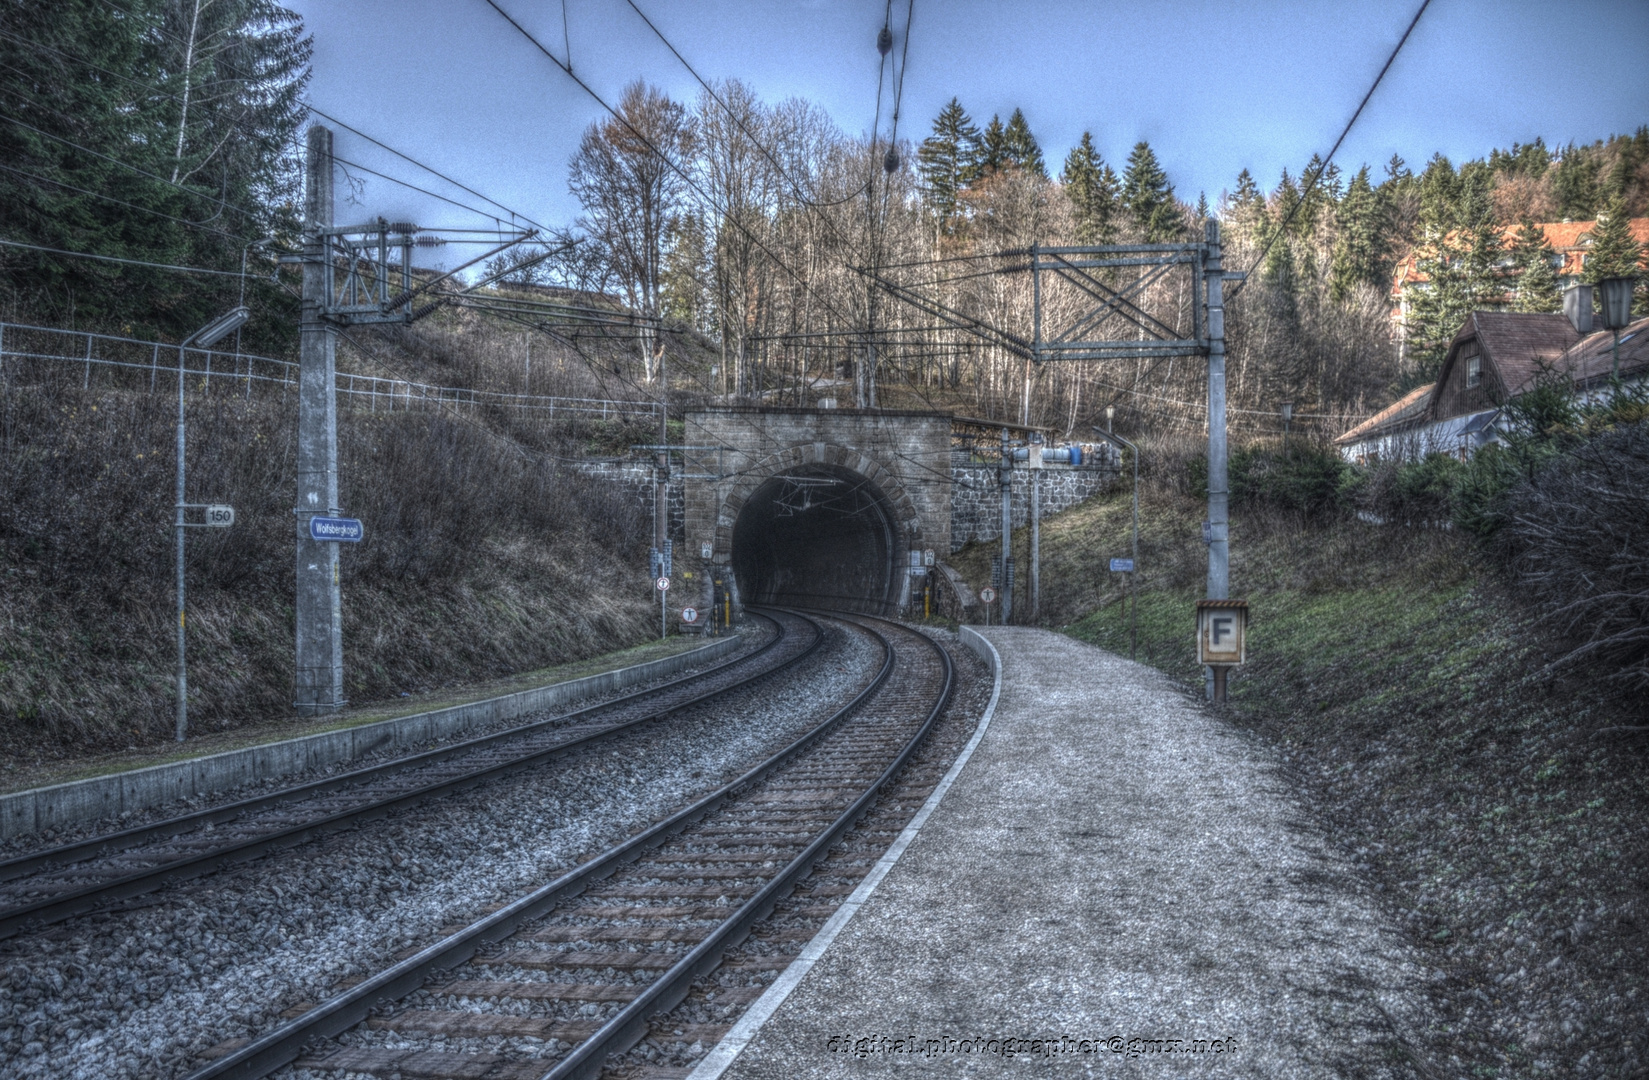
1577 306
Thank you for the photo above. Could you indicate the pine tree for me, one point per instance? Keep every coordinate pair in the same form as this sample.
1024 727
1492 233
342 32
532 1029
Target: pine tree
1613 252
1092 188
1439 305
1315 196
1148 197
1537 289
1439 192
1482 245
1202 206
1020 148
948 160
1359 249
1576 185
1245 207
993 147
203 96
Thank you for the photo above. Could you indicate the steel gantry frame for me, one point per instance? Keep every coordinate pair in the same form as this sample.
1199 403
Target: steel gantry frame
1117 304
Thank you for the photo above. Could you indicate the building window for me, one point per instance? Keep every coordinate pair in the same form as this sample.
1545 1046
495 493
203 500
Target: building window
1474 370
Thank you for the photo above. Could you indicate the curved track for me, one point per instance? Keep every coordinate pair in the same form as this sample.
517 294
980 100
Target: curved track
57 884
553 984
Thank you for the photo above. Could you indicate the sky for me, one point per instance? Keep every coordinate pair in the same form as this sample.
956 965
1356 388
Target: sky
1213 87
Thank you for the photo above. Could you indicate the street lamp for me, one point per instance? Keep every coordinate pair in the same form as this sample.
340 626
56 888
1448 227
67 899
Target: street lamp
204 338
1617 310
1133 603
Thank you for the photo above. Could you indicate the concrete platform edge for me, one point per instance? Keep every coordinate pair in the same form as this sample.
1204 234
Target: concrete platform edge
77 802
725 1052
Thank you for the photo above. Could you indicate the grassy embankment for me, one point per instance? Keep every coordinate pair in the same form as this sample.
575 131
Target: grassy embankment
487 554
1500 806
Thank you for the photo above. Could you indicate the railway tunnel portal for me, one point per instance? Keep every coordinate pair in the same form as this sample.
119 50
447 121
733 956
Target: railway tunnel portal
816 507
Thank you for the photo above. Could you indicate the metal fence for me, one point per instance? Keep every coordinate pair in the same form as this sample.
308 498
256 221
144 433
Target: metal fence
48 357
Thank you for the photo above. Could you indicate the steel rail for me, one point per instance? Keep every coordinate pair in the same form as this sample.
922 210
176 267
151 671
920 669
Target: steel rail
343 1011
67 905
103 843
629 1026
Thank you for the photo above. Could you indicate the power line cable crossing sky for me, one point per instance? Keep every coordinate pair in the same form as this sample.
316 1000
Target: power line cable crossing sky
1214 89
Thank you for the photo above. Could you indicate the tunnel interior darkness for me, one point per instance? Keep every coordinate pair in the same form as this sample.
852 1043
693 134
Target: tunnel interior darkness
816 536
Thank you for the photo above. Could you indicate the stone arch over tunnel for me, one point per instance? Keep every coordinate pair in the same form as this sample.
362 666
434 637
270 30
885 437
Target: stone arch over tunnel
820 526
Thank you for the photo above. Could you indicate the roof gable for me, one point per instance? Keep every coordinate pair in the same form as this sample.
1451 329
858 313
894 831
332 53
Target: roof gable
1516 347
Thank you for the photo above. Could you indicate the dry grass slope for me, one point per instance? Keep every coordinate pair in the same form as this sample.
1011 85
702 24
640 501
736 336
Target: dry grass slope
486 555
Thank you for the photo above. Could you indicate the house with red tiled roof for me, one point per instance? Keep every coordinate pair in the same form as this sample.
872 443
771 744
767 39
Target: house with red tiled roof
1571 242
1495 356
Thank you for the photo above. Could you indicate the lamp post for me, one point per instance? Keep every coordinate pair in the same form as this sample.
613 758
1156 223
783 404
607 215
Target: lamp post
205 337
1133 600
1617 311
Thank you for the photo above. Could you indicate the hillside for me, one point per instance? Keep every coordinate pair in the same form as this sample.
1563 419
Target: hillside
488 554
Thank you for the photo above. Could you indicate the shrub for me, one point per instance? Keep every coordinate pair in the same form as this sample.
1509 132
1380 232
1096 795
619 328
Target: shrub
1577 538
1300 477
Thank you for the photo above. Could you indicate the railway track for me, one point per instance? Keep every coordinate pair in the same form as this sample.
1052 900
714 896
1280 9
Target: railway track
554 984
60 883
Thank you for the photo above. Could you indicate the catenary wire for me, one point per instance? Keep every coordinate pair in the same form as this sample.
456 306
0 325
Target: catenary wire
117 259
684 174
1321 169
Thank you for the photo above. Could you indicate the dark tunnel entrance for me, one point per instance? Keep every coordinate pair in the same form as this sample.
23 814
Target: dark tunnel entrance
817 536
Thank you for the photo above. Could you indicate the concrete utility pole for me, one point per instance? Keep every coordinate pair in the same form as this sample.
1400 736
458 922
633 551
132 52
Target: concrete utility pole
319 681
661 496
1219 550
1004 479
1033 458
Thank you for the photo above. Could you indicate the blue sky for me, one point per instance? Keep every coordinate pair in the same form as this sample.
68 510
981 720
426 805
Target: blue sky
1214 87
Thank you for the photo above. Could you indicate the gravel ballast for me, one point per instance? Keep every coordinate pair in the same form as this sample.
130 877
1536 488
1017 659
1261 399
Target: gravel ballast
143 992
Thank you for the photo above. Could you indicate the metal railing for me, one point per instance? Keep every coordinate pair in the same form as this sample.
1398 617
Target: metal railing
135 364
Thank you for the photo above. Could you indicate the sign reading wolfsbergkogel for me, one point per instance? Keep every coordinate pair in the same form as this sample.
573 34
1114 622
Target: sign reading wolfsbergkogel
336 530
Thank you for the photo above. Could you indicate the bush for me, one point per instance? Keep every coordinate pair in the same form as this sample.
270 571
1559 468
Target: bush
1301 477
1576 535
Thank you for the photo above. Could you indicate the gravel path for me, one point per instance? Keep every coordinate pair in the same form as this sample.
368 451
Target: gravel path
1113 865
143 992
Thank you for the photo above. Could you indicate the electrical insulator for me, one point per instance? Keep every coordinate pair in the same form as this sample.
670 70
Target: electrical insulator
403 227
891 162
429 241
884 41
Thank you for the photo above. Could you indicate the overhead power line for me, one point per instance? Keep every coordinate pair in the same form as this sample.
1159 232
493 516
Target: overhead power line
1323 168
224 203
409 184
429 169
116 259
676 168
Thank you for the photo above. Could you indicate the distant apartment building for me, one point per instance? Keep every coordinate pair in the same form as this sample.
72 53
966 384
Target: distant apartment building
1570 242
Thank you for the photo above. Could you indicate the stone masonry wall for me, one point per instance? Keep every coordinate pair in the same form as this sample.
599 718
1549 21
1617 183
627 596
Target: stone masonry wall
636 479
976 501
905 454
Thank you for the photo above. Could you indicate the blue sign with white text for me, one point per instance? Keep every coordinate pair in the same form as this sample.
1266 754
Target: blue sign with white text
336 529
1122 566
